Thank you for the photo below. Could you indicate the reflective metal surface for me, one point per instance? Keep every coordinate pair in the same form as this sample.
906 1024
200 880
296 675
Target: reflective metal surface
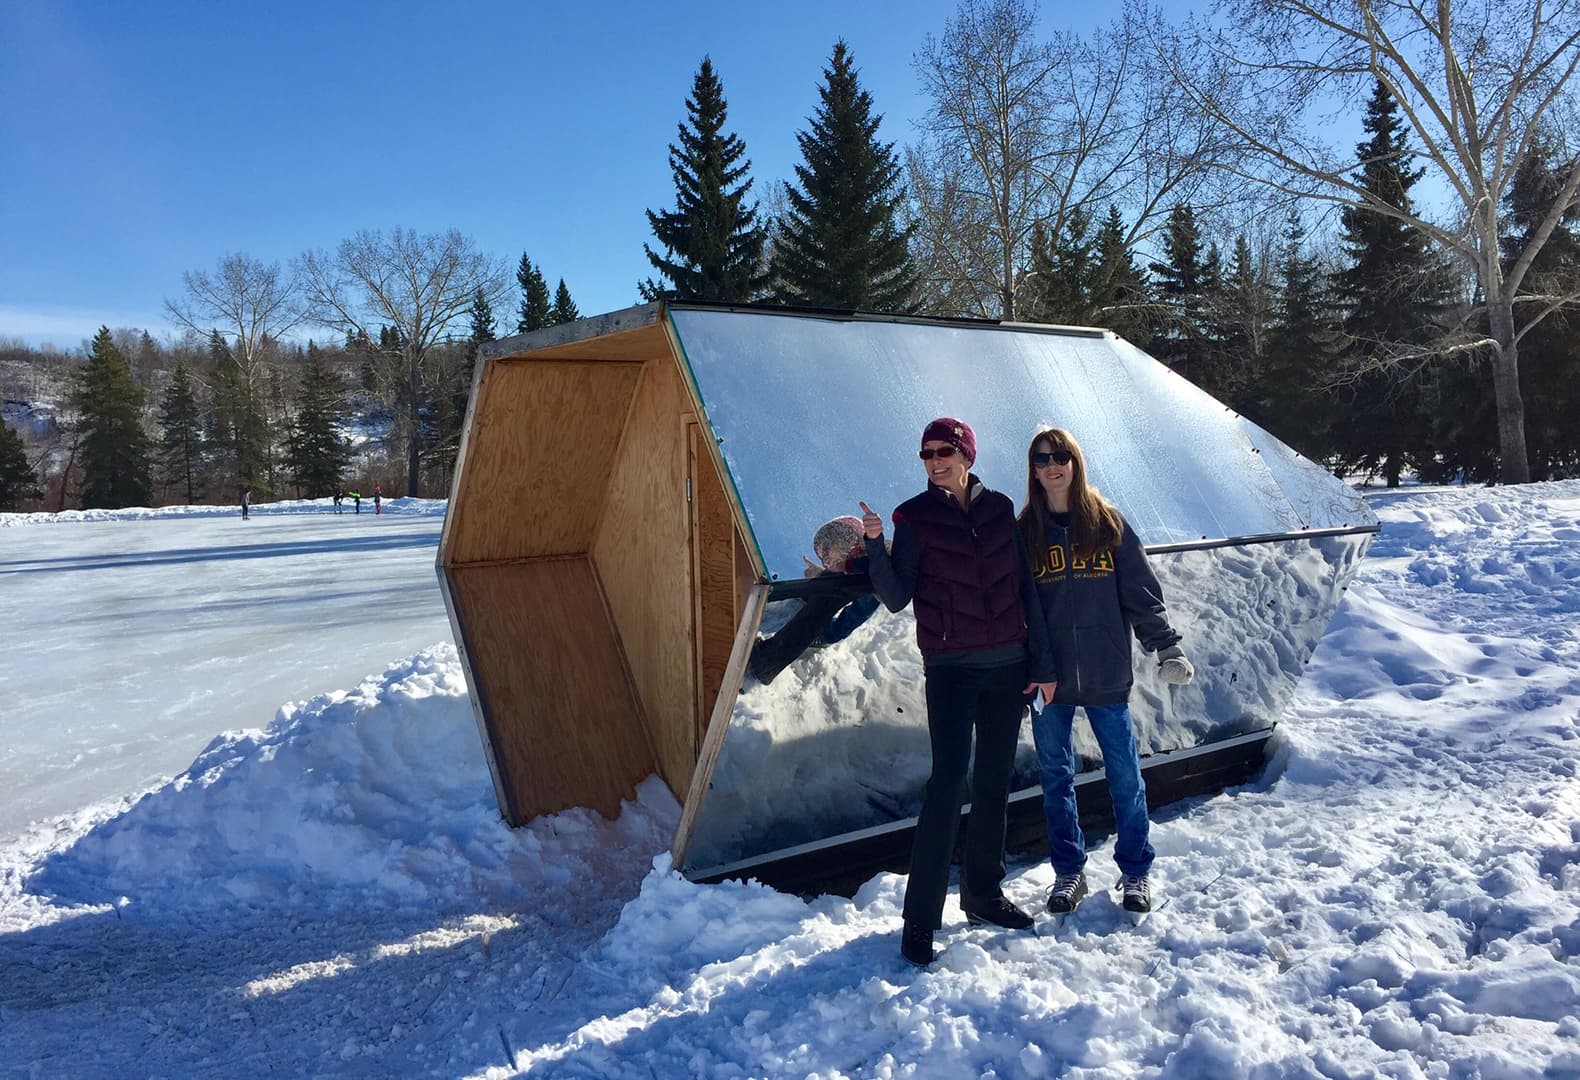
1322 500
836 740
815 415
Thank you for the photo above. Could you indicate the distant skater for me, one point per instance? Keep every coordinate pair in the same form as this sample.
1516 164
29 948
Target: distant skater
246 502
339 495
356 501
378 499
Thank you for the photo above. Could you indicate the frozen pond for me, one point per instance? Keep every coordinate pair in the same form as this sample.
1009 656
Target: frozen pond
129 644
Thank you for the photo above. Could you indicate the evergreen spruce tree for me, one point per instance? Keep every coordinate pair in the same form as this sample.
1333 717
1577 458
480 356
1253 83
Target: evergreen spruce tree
1060 281
536 310
316 453
1550 353
455 388
1118 292
481 321
147 360
240 431
713 246
1037 301
115 449
1239 322
564 309
1288 399
841 244
1183 285
360 349
1465 424
217 431
18 481
181 435
276 418
1391 293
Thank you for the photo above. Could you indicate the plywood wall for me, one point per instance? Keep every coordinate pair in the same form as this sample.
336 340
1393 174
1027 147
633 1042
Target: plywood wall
642 555
713 570
566 723
540 450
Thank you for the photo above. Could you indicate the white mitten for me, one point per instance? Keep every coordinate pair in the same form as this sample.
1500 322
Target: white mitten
1173 667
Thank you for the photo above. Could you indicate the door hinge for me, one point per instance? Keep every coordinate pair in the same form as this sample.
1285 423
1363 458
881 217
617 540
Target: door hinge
688 489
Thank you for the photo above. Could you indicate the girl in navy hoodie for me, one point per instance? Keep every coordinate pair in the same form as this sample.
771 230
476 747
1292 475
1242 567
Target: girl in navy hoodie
1095 589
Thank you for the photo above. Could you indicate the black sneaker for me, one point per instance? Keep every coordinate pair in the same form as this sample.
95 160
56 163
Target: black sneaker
998 911
1138 894
1067 893
916 944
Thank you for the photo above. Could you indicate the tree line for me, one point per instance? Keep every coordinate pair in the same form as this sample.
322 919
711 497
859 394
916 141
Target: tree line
1167 181
236 404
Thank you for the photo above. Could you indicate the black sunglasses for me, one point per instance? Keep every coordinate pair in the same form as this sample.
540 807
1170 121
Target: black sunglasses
1057 457
942 451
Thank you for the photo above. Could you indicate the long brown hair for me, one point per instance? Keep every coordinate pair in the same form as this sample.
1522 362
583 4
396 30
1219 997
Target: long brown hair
1094 522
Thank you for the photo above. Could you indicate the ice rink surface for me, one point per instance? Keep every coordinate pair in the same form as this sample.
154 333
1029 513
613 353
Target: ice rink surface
130 644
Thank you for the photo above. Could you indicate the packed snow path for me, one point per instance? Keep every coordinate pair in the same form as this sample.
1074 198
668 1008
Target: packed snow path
1398 896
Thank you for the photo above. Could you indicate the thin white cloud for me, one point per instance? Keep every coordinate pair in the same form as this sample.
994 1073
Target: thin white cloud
70 327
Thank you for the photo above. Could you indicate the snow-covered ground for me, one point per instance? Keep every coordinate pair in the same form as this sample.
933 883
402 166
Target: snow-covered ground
1398 896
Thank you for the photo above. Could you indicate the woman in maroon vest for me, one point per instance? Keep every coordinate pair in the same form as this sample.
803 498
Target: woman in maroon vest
959 561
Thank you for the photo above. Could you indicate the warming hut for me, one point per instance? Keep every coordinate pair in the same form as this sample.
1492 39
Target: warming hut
625 560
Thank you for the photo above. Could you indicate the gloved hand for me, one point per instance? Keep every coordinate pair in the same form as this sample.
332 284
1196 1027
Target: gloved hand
1173 667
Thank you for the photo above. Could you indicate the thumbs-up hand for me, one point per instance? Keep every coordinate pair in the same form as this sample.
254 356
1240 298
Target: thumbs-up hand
871 523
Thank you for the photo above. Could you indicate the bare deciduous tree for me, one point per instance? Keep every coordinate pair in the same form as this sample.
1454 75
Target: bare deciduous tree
418 284
1025 131
250 303
990 135
1479 85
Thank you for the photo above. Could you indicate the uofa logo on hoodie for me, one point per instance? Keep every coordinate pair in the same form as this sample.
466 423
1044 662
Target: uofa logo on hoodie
1054 561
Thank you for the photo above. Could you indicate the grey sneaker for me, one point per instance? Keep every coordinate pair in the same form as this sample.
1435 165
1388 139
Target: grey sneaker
1067 892
1138 894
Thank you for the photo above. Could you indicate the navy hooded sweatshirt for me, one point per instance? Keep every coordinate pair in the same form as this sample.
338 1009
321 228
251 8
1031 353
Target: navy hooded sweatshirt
1091 607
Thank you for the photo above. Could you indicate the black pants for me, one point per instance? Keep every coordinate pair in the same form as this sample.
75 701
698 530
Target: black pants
774 654
961 700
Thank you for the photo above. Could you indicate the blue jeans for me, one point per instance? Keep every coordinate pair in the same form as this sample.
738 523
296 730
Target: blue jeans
1056 761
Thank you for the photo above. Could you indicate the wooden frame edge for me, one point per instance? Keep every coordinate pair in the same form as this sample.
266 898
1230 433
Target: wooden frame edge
460 457
480 711
677 355
719 722
520 346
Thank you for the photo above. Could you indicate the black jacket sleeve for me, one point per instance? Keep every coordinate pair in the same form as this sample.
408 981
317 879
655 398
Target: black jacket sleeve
894 570
1038 648
1140 595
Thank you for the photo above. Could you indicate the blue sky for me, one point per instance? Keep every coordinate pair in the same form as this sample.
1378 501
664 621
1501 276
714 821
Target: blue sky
141 140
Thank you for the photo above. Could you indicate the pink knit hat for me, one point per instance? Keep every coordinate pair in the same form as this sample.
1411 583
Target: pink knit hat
835 540
956 432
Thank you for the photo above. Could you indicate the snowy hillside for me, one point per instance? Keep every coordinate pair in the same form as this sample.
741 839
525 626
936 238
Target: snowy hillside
1399 895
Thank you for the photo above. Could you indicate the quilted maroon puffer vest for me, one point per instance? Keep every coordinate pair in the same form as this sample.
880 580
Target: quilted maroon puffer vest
968 586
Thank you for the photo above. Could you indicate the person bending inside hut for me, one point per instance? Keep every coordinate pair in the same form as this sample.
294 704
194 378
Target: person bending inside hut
844 600
960 563
1095 588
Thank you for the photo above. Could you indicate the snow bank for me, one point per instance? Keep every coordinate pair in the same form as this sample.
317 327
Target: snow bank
378 795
